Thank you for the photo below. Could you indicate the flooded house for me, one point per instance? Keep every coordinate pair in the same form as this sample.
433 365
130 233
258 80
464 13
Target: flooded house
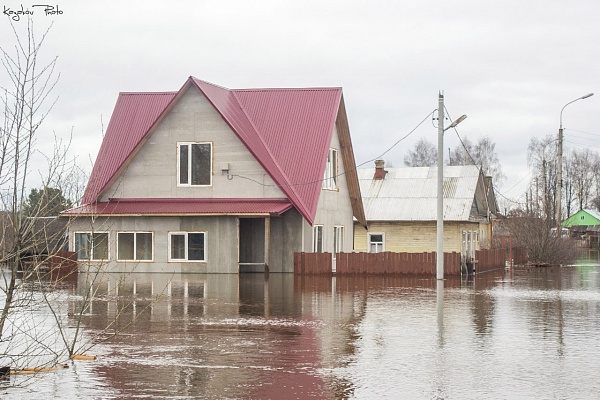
584 225
213 180
401 209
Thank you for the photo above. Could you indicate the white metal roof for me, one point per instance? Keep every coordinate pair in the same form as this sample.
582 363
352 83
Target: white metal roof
593 213
410 194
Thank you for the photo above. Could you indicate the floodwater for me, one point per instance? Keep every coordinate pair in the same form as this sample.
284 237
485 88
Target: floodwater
526 333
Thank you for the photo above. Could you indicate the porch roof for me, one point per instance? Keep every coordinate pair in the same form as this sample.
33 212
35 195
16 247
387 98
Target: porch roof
189 206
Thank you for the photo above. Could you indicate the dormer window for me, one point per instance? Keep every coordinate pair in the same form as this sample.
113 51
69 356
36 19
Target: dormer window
194 164
330 178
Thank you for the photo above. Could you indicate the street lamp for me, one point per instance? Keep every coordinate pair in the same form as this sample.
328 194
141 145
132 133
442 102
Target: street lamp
440 185
559 172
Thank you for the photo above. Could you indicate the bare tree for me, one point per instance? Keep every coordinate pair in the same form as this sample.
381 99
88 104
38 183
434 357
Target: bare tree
27 239
483 154
486 157
463 153
596 199
541 158
583 164
423 155
538 236
26 104
569 172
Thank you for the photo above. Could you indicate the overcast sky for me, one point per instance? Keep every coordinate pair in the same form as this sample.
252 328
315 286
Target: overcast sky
510 66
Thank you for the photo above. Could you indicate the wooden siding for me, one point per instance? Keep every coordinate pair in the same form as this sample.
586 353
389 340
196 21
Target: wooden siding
419 237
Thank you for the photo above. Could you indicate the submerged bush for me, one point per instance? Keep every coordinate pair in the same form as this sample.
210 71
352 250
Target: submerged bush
543 245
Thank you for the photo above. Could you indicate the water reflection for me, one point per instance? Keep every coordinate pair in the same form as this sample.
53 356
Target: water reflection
525 333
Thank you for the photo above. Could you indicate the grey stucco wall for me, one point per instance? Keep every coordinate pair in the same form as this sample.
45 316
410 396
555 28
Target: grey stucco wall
334 209
221 242
286 239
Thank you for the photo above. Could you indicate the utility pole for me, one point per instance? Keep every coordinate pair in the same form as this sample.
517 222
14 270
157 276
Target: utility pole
559 170
440 190
440 185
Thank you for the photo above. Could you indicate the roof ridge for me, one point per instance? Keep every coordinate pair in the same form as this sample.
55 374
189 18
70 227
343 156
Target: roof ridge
289 89
197 199
193 78
150 93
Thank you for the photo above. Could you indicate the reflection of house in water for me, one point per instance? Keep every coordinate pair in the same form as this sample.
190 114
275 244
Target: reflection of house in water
584 225
270 336
209 334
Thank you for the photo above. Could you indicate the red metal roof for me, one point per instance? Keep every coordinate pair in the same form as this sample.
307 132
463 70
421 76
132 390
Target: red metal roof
202 206
287 130
133 116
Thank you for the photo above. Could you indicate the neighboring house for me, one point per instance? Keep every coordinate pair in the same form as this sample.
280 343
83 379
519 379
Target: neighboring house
40 237
585 226
213 180
401 209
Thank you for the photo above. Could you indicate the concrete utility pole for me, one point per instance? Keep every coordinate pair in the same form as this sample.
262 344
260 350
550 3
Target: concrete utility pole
559 171
440 185
440 190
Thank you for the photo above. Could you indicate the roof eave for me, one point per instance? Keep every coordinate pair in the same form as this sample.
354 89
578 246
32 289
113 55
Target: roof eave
343 130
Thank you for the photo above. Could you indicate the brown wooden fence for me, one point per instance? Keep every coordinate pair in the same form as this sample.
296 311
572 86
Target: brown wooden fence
312 263
519 256
389 263
490 259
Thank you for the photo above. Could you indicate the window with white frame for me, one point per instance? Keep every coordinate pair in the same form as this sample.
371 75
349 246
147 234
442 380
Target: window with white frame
187 246
338 239
135 246
91 245
330 178
194 164
376 242
318 238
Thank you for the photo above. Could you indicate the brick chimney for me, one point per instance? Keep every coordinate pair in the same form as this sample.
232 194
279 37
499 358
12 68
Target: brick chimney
379 170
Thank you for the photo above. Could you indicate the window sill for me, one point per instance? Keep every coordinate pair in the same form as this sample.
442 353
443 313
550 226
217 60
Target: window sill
194 186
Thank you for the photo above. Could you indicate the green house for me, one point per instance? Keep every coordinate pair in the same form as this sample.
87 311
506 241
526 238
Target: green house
585 225
583 218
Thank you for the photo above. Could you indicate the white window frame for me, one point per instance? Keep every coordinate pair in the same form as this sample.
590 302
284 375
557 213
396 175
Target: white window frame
186 233
338 239
316 229
331 170
135 233
369 242
189 167
91 233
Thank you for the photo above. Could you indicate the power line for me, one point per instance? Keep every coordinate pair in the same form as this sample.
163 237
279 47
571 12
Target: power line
461 141
589 133
231 176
